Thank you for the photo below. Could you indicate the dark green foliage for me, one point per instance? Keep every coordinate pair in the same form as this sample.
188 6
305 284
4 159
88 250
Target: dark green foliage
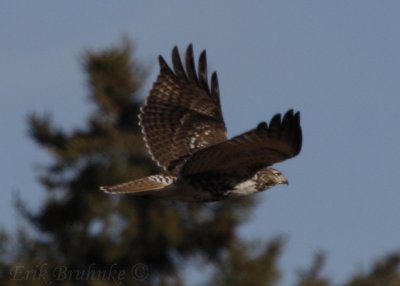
312 276
240 268
79 228
386 272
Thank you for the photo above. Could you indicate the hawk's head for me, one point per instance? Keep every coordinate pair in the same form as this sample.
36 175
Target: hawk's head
269 177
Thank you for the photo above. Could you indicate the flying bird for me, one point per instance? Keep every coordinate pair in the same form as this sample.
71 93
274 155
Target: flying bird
185 134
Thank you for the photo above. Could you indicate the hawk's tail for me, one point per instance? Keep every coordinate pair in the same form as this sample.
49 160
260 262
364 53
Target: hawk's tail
144 186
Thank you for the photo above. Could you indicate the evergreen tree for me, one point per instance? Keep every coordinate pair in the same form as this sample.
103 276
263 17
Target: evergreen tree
81 227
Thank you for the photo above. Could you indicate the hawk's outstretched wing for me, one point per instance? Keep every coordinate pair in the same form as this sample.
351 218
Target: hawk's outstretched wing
252 151
183 113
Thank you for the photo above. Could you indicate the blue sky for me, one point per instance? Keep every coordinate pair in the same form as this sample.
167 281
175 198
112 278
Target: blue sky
338 62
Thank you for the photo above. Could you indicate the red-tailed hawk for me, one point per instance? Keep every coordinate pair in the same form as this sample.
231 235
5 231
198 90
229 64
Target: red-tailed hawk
185 134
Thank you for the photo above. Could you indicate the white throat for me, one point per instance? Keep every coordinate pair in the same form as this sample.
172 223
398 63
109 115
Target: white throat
244 188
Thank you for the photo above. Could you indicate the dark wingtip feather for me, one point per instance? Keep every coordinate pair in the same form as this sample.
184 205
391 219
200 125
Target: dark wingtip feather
297 117
287 120
262 126
162 62
214 86
289 113
290 129
202 71
189 60
177 63
293 125
203 57
164 66
299 132
275 121
175 53
189 51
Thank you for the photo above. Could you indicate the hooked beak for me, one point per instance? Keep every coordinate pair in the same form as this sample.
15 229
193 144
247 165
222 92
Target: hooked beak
284 181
